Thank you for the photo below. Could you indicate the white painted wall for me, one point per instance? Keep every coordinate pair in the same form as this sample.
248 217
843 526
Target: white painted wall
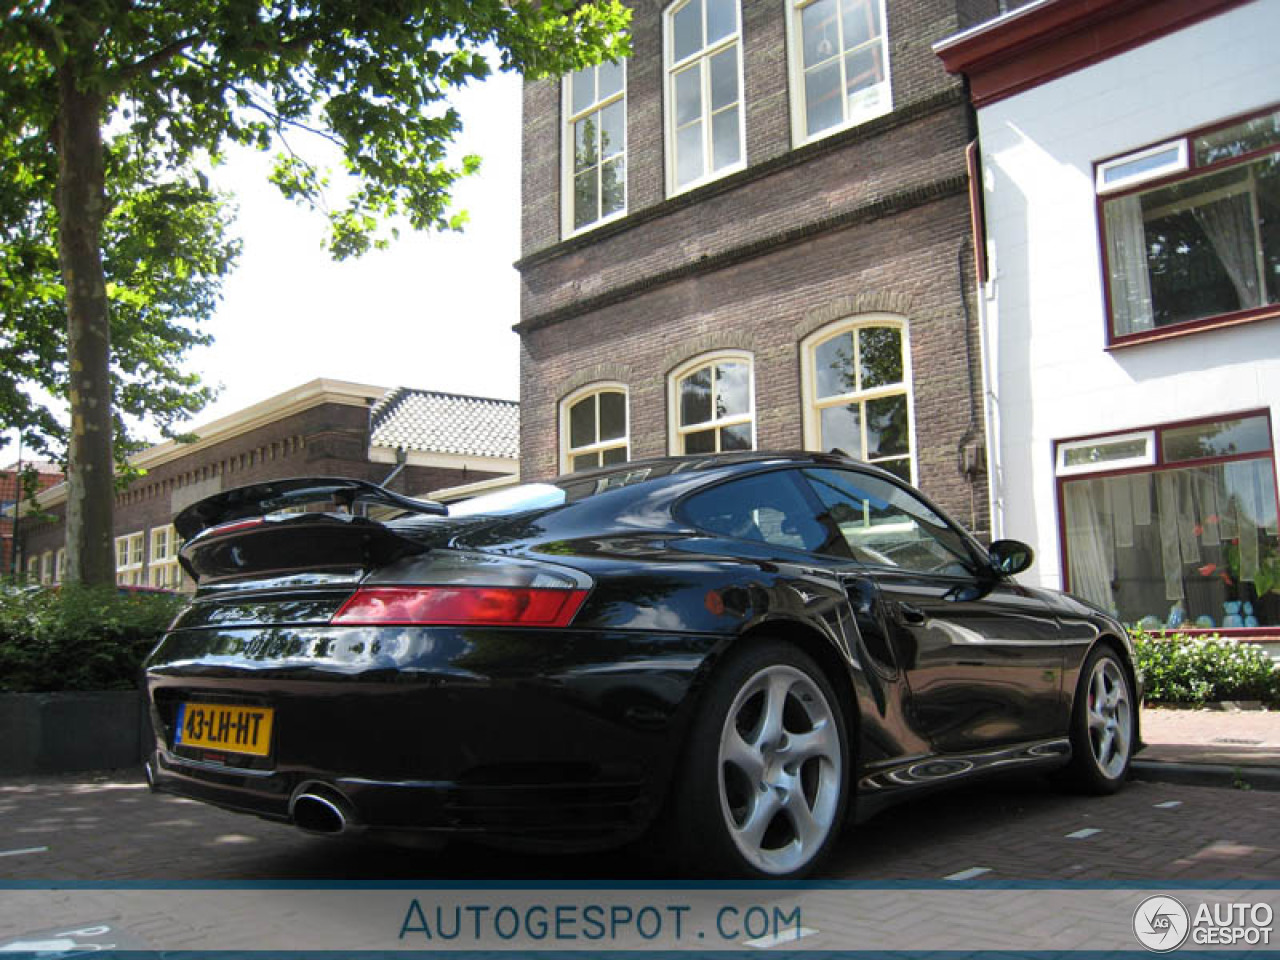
1052 377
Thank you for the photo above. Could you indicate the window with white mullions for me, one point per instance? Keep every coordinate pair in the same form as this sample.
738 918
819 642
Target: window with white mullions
840 64
129 554
704 91
857 391
714 407
594 429
595 156
162 564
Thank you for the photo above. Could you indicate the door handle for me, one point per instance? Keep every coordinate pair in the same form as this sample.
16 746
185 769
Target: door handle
910 614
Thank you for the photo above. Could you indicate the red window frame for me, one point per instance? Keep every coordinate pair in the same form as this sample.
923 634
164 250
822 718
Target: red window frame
1265 312
1159 466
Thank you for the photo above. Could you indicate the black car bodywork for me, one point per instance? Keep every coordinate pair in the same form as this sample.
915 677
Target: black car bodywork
570 733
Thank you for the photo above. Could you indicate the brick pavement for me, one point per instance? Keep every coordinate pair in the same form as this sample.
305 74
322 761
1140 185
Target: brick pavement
1245 738
108 827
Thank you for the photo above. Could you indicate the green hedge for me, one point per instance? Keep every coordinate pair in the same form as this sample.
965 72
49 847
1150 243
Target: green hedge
76 638
1179 668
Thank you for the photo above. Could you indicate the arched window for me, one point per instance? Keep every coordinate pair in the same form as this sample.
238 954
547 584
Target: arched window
857 389
704 91
712 403
593 428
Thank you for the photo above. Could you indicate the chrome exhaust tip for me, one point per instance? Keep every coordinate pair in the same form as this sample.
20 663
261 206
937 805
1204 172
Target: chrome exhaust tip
313 813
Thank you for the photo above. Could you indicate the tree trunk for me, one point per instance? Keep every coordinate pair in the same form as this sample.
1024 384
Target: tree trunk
81 205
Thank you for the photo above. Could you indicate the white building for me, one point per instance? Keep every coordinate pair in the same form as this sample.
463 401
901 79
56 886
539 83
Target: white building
1130 170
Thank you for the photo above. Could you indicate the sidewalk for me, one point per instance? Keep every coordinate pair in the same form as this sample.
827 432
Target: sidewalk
1210 747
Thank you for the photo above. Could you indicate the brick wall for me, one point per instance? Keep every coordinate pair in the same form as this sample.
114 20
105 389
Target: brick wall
872 219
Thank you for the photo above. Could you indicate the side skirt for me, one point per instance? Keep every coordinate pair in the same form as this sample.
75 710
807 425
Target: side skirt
904 779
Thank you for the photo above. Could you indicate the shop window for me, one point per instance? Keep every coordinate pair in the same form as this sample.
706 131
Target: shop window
1189 540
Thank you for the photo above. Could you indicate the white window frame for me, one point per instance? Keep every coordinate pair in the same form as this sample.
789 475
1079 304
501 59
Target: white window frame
567 146
567 452
33 569
162 560
676 432
813 404
60 565
46 567
700 60
1178 164
129 573
1147 459
795 58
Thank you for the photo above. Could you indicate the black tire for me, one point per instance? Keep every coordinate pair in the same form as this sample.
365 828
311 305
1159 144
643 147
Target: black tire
1103 725
792 776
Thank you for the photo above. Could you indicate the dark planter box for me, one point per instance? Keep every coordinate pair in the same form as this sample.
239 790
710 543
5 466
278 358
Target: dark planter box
65 732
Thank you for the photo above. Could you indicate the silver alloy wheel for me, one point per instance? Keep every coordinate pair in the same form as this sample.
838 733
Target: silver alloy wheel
1110 714
780 769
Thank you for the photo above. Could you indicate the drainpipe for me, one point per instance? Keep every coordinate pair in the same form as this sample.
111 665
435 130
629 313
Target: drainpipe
402 458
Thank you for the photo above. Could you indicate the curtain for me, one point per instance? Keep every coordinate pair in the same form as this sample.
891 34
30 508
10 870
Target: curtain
1243 492
1170 537
1090 555
1228 223
1127 258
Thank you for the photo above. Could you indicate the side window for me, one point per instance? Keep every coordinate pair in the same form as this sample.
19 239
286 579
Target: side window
886 526
768 507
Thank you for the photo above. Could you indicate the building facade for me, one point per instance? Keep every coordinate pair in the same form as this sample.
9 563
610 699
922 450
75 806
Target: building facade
325 428
11 494
1131 169
755 233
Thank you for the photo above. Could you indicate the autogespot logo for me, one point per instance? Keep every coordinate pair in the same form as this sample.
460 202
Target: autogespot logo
1161 923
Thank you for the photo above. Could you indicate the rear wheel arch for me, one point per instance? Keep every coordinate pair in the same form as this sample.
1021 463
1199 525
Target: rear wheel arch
837 669
708 821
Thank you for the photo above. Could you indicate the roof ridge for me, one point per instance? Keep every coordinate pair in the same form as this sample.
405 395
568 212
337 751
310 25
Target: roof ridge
460 396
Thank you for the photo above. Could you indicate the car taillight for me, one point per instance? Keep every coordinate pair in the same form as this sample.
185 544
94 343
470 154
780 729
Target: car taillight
450 605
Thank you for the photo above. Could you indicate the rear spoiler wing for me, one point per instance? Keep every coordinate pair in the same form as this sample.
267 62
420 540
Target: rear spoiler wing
259 499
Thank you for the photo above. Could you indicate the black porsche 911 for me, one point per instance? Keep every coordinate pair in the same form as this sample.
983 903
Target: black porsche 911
742 651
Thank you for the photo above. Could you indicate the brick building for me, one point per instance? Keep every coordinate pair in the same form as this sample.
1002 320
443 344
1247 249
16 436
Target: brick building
11 493
323 428
756 232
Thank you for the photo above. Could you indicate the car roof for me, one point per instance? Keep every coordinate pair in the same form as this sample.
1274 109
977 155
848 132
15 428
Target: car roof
674 473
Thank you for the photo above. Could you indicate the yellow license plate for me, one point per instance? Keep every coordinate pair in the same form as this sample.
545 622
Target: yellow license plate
219 726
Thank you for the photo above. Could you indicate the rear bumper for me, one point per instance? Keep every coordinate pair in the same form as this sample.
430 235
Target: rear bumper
565 815
561 740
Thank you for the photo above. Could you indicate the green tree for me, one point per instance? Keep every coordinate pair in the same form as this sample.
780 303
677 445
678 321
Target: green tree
85 84
165 249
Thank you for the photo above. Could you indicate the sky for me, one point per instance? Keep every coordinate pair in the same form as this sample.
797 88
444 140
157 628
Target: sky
433 311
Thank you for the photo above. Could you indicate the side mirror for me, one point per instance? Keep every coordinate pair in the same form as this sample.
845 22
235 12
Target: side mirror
1010 556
